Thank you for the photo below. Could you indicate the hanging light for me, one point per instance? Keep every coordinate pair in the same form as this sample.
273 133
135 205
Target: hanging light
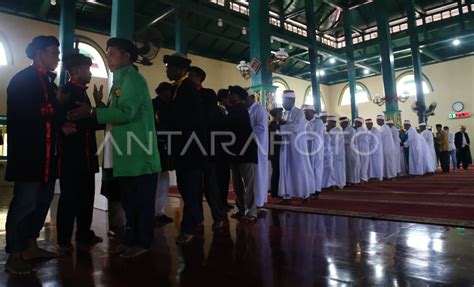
281 57
290 46
244 31
332 60
220 23
245 69
378 100
366 71
53 2
404 96
456 42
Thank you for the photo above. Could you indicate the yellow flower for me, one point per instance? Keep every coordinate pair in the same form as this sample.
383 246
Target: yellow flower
117 92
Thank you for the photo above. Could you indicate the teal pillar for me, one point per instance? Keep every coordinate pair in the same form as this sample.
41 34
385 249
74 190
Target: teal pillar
181 36
260 50
67 28
416 56
388 62
313 53
351 73
122 19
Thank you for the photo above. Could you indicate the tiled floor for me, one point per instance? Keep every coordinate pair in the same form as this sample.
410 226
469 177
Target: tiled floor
282 249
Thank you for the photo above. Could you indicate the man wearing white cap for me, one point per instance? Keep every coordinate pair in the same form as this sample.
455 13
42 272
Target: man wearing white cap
363 149
352 157
339 154
414 143
259 121
328 179
376 151
323 116
430 152
390 159
315 134
398 152
296 174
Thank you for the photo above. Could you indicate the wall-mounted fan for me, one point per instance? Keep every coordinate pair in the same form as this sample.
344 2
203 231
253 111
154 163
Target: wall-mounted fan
148 42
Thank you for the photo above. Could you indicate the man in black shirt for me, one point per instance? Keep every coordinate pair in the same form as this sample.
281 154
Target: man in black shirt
223 168
463 148
274 152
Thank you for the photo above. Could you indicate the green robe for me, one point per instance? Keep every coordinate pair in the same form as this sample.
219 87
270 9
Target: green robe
131 115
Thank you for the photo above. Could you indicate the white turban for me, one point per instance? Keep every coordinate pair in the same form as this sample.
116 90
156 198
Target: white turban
369 121
389 122
289 94
380 117
360 120
407 122
323 114
309 108
332 119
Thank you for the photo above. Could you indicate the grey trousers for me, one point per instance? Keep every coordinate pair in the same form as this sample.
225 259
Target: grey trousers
245 183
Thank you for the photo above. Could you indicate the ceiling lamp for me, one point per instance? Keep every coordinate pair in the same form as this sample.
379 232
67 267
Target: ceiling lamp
245 69
290 46
220 23
244 31
332 60
456 42
53 2
366 71
378 100
404 96
281 57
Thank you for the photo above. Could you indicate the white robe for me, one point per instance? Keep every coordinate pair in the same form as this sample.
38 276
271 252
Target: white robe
416 157
362 140
296 174
431 152
352 157
391 162
398 150
259 121
328 171
315 129
376 156
339 157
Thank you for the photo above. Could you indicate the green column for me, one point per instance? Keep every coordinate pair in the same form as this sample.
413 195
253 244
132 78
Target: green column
416 56
388 62
181 36
66 33
313 53
122 19
351 75
260 50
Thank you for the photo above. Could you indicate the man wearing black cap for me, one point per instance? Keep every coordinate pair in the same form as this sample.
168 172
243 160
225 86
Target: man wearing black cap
33 118
211 112
222 164
242 155
79 161
275 140
130 148
187 152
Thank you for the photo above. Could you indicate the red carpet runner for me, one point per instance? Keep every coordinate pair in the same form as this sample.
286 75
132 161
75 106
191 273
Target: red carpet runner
445 199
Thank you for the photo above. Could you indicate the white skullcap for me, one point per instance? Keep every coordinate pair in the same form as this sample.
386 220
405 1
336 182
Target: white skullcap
423 125
251 92
369 121
323 114
309 108
332 119
289 94
381 117
407 122
343 120
389 122
360 120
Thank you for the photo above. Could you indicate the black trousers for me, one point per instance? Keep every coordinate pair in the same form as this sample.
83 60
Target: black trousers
274 182
138 201
444 158
210 189
223 179
189 185
463 156
76 203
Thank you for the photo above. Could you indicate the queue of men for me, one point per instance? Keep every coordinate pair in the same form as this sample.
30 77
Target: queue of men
206 138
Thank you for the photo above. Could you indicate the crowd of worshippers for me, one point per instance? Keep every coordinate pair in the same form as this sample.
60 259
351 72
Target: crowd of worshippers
209 139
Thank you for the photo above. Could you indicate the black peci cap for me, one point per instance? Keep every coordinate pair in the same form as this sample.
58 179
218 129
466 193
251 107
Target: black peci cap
39 43
239 91
76 59
178 60
125 45
198 71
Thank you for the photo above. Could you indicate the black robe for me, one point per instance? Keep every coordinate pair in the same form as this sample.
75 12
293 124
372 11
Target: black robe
29 123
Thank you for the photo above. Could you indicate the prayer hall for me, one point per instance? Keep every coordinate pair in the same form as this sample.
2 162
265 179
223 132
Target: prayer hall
236 143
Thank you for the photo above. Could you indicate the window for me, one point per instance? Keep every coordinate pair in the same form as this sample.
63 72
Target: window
5 56
406 84
362 95
281 86
98 68
308 98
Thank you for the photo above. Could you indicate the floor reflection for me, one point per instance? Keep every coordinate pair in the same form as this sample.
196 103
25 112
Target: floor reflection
281 249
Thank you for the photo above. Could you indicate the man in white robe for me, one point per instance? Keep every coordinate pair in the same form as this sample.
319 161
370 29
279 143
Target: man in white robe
339 155
376 149
296 174
328 166
259 121
363 148
414 143
431 163
315 134
391 161
352 157
399 154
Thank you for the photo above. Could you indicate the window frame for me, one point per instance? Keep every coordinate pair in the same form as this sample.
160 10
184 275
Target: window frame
8 51
321 96
281 81
341 96
98 48
408 73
